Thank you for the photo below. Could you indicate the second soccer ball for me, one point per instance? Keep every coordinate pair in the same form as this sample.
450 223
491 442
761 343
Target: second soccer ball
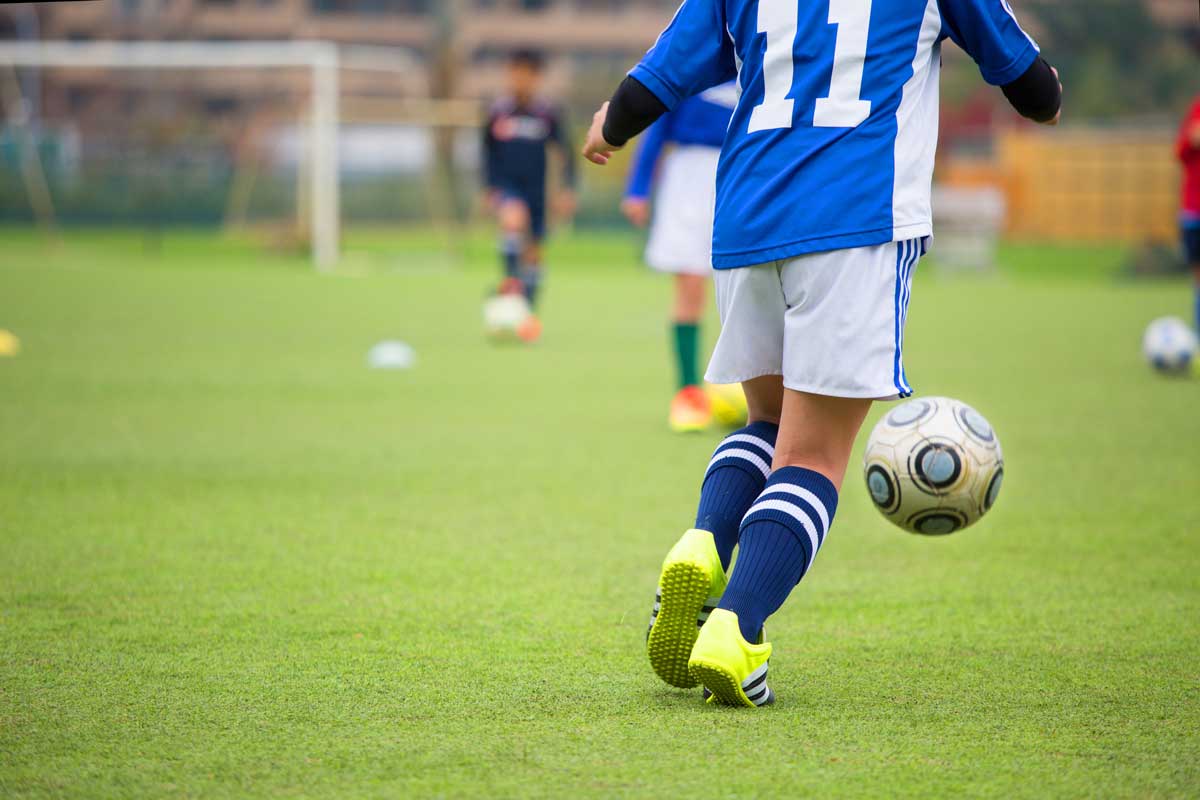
1169 345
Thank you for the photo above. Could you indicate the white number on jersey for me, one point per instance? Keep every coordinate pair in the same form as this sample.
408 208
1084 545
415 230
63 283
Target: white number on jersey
843 108
777 19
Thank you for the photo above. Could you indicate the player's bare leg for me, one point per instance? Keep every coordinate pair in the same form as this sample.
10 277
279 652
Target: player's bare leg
690 408
513 217
817 432
779 536
691 291
519 246
523 253
531 269
764 399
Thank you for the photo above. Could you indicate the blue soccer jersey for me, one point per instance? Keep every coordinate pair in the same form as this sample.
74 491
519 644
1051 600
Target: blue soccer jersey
832 142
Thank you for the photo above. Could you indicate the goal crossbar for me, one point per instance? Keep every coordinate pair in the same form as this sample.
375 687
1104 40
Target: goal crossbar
323 59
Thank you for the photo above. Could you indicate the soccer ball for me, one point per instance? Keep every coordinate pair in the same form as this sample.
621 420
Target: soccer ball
1169 345
933 466
506 316
728 403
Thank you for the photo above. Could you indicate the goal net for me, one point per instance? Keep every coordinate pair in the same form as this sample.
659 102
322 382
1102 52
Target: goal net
287 140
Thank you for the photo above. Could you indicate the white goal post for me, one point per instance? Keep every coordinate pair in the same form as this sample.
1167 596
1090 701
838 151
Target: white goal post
322 59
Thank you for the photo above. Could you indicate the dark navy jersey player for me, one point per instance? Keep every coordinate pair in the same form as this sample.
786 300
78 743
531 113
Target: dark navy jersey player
521 128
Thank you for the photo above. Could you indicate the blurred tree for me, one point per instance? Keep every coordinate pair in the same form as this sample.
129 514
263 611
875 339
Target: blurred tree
1116 59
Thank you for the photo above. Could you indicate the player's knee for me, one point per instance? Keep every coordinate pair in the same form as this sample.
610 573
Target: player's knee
514 217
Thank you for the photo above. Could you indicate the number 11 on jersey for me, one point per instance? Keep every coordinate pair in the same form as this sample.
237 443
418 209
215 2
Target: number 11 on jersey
843 108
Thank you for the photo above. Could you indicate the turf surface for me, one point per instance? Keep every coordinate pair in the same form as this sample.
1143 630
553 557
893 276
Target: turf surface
236 562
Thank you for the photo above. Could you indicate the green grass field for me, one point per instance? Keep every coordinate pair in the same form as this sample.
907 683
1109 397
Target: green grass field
237 563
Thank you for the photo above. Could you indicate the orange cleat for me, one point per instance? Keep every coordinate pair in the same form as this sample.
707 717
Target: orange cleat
690 410
530 329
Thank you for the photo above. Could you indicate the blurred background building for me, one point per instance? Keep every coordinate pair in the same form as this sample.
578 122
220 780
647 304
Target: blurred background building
227 146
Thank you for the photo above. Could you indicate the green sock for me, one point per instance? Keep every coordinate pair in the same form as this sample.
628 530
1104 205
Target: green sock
687 344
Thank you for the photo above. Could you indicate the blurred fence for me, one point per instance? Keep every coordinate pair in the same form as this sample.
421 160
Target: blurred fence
1080 185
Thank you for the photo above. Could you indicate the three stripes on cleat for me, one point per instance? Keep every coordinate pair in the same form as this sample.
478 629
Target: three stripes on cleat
755 687
720 686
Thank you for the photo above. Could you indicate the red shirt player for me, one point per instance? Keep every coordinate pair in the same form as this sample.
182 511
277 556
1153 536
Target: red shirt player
1188 150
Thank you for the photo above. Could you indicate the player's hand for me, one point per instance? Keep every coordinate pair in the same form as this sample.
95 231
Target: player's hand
596 149
565 204
636 210
1057 116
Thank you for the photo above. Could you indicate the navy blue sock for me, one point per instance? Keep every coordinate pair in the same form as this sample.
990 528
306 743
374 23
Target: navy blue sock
510 253
735 476
780 536
531 280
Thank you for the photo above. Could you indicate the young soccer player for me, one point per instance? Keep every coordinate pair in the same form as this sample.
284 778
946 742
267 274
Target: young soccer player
681 236
822 213
1188 150
520 128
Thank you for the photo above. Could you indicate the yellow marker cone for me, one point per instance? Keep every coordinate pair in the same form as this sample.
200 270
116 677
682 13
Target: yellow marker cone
10 345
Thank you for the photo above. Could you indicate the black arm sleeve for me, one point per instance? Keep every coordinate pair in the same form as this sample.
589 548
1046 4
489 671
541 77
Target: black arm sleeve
633 108
1036 94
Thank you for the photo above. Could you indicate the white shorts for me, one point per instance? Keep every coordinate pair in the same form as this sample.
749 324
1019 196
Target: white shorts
830 323
682 231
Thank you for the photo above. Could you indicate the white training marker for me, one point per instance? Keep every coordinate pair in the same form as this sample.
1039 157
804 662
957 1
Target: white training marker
392 354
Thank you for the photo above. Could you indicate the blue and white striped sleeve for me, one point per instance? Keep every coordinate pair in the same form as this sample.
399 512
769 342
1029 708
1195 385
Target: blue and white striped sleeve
989 32
691 55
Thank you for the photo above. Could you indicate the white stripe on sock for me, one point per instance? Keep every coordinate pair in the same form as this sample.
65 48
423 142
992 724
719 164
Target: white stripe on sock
795 512
807 496
754 440
746 455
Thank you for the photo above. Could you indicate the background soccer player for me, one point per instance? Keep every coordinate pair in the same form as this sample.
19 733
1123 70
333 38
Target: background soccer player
520 128
823 210
1188 150
681 236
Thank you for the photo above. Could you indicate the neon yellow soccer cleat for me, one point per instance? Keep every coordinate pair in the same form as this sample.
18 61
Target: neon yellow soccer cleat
691 584
732 669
